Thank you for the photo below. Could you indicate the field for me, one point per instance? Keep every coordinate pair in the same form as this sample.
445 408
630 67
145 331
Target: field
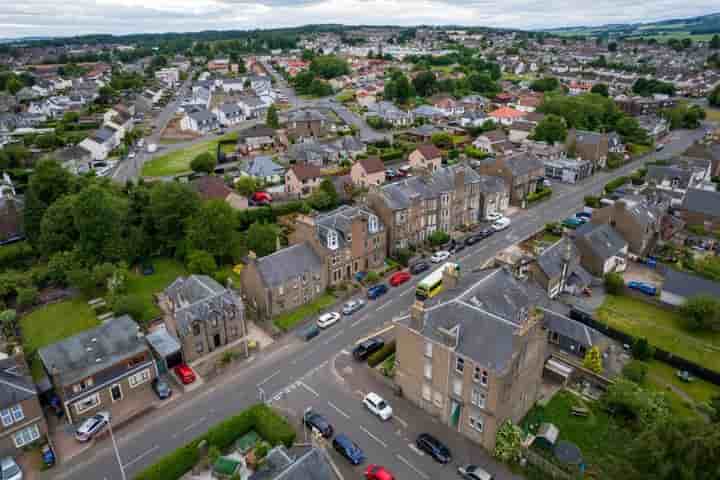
663 37
145 286
663 328
178 161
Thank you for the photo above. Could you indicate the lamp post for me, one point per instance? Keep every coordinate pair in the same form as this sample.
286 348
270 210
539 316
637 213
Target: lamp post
117 452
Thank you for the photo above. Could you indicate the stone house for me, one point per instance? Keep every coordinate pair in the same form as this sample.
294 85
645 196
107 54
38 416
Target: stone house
637 221
557 269
302 179
494 195
367 172
425 157
487 141
701 207
522 172
602 249
203 315
591 146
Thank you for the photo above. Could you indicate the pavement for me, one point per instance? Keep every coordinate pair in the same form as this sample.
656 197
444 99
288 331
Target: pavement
290 364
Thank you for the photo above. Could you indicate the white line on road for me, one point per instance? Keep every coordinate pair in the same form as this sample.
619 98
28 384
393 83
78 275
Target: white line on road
386 304
415 449
141 456
309 389
373 436
401 421
344 352
362 319
337 409
376 334
267 379
194 424
412 467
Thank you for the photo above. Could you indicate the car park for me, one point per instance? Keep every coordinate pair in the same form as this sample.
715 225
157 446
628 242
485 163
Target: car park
378 406
317 422
92 426
643 287
352 306
366 348
419 267
501 224
161 388
185 374
440 256
398 278
376 472
433 447
348 449
474 472
328 319
376 291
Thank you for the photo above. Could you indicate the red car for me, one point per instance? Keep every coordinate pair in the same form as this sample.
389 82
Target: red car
185 374
261 197
376 472
398 278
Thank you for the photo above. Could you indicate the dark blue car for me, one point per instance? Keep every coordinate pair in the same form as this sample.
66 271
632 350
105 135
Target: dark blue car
377 291
348 449
645 288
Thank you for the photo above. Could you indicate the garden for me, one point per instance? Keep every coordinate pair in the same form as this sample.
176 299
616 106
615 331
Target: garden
288 320
178 161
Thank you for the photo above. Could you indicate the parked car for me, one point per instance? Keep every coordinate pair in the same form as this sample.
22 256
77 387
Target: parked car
378 406
10 470
473 472
376 291
348 449
398 278
501 224
366 348
473 239
440 256
161 388
185 374
390 173
261 197
376 472
457 246
493 217
419 267
572 223
643 287
659 147
328 319
586 215
318 422
309 332
433 447
547 183
92 426
352 306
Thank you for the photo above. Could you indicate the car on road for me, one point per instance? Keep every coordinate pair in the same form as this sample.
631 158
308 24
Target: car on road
398 278
547 183
161 388
376 472
314 420
419 267
352 306
309 332
390 173
328 319
643 287
457 246
348 449
473 239
378 406
572 223
185 374
493 217
501 224
92 426
10 470
586 215
376 291
366 348
440 256
433 447
474 472
659 147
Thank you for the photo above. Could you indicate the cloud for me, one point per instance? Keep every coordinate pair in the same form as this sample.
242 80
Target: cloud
49 17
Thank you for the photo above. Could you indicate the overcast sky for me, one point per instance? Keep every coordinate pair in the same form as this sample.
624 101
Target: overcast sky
19 18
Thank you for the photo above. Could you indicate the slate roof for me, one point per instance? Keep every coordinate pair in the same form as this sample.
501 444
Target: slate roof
230 108
103 134
255 131
590 138
551 260
279 465
686 285
491 184
202 115
93 350
372 165
288 263
429 151
263 166
340 220
306 115
401 195
660 173
602 239
702 201
567 327
523 163
15 386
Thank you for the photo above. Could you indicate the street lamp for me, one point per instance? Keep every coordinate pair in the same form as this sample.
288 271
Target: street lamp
117 452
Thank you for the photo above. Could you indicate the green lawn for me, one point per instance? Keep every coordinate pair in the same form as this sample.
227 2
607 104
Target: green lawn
599 436
145 286
637 149
288 320
663 328
52 323
178 161
713 114
699 390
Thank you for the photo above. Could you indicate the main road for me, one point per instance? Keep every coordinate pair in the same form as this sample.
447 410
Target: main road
288 361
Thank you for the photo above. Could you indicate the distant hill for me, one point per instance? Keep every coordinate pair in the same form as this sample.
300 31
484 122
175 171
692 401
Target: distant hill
698 28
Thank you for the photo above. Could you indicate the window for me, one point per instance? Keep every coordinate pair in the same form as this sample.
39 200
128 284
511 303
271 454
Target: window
438 400
88 403
428 349
116 393
459 364
26 436
426 393
428 369
476 422
476 374
280 290
214 322
196 329
199 347
554 337
233 331
478 398
139 378
484 378
11 415
84 385
457 386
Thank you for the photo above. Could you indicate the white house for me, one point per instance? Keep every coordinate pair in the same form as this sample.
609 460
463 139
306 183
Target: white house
101 143
229 114
168 76
252 106
199 120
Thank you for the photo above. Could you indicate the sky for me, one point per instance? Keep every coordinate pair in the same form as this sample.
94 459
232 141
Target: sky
21 18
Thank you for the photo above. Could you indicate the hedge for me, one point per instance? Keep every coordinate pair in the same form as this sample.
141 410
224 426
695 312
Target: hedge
378 357
539 195
269 425
613 185
391 155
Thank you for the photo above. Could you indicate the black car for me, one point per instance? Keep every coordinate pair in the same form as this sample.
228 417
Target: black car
319 423
433 447
419 268
457 246
473 239
161 388
364 349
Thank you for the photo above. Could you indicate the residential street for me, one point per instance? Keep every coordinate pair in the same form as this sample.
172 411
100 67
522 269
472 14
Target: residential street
294 374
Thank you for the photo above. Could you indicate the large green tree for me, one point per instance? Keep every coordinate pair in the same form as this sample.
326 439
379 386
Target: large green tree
48 182
272 120
546 84
262 238
329 66
212 229
424 83
702 312
171 205
204 163
100 217
551 129
57 228
714 97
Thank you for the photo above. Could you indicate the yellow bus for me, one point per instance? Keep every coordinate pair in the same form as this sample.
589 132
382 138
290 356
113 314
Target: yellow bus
432 284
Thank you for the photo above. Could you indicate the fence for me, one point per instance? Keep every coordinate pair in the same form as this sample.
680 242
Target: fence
660 354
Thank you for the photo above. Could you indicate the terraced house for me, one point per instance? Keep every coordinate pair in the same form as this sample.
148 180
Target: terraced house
414 208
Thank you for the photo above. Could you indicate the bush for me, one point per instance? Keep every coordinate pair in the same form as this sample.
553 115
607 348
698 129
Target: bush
614 284
403 256
391 155
539 195
642 350
592 201
131 305
16 255
372 277
438 237
378 357
201 262
613 185
635 371
27 296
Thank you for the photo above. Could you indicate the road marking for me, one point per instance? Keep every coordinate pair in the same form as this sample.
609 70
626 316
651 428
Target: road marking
412 467
267 379
344 352
402 422
379 332
141 456
386 304
415 449
195 424
302 384
362 319
337 409
373 436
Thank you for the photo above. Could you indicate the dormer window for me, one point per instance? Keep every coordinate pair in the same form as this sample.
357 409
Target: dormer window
332 240
373 226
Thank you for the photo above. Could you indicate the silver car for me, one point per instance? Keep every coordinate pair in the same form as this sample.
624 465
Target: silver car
92 426
10 470
352 306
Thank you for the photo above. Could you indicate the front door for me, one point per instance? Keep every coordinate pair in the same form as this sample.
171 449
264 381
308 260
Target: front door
216 340
116 392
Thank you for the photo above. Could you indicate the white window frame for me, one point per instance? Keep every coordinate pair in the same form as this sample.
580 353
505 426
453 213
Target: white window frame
476 422
478 398
427 370
143 376
17 413
7 418
32 432
428 349
79 409
122 395
457 386
426 392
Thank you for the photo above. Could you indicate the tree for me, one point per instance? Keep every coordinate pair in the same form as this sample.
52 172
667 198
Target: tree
399 88
172 204
271 119
246 186
201 262
204 163
714 98
483 83
600 89
212 229
614 284
328 187
636 371
441 140
8 323
593 360
551 129
57 228
547 84
647 87
715 42
438 237
48 182
424 83
262 238
99 218
508 443
329 66
132 305
13 85
702 312
642 350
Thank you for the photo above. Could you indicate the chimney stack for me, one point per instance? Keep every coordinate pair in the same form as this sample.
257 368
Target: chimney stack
417 316
450 336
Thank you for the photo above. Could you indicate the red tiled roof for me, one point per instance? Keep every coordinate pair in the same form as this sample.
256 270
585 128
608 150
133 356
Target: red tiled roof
429 151
304 171
211 188
506 112
372 165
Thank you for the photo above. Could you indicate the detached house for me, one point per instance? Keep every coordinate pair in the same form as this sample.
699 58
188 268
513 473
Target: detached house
210 187
490 142
506 115
602 249
302 179
591 146
229 114
199 120
101 143
701 207
637 221
368 171
425 157
557 269
391 114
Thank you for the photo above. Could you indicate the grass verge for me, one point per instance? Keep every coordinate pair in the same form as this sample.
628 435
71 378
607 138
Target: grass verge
288 320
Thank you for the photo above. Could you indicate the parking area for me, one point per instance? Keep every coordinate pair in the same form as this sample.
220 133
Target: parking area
640 272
